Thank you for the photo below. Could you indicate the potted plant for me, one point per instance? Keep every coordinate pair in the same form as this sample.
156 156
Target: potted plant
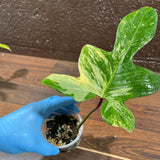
112 75
59 129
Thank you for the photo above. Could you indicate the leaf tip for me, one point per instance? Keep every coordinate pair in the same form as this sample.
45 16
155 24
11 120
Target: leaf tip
4 46
46 81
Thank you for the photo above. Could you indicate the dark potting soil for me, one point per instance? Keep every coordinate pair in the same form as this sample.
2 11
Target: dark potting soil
60 129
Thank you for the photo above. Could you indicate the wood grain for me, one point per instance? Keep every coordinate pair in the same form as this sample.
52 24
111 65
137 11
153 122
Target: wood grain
20 78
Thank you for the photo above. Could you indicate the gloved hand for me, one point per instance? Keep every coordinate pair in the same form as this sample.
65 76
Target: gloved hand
20 131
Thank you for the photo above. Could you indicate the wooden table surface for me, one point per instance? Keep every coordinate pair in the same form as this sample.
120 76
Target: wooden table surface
20 84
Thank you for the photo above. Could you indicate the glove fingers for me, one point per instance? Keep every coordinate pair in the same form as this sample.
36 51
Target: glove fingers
55 104
73 108
45 148
68 110
49 98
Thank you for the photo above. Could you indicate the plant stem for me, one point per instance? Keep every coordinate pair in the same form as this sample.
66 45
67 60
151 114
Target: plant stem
77 129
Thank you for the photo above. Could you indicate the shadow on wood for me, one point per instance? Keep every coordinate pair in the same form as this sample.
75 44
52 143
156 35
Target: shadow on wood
4 83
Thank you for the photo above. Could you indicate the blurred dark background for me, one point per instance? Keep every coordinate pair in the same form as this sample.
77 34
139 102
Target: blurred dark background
60 28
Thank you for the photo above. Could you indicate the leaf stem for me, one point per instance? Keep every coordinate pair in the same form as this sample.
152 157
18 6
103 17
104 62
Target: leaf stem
79 126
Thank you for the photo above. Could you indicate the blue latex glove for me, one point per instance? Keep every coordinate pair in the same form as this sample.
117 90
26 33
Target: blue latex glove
20 131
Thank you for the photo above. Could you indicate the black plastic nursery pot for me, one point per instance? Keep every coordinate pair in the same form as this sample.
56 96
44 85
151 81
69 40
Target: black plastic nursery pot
59 129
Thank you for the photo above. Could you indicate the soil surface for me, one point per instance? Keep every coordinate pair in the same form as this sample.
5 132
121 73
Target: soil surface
60 129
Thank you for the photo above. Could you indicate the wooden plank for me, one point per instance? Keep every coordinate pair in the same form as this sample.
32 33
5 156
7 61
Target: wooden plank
123 147
38 68
77 154
22 95
102 133
6 108
31 70
25 87
26 60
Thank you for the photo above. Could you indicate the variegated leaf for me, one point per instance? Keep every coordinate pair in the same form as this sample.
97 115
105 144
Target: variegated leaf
112 75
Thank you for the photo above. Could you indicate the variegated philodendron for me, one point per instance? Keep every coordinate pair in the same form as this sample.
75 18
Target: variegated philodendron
112 75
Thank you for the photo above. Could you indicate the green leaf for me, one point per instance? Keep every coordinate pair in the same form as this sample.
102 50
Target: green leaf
115 113
112 75
5 47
